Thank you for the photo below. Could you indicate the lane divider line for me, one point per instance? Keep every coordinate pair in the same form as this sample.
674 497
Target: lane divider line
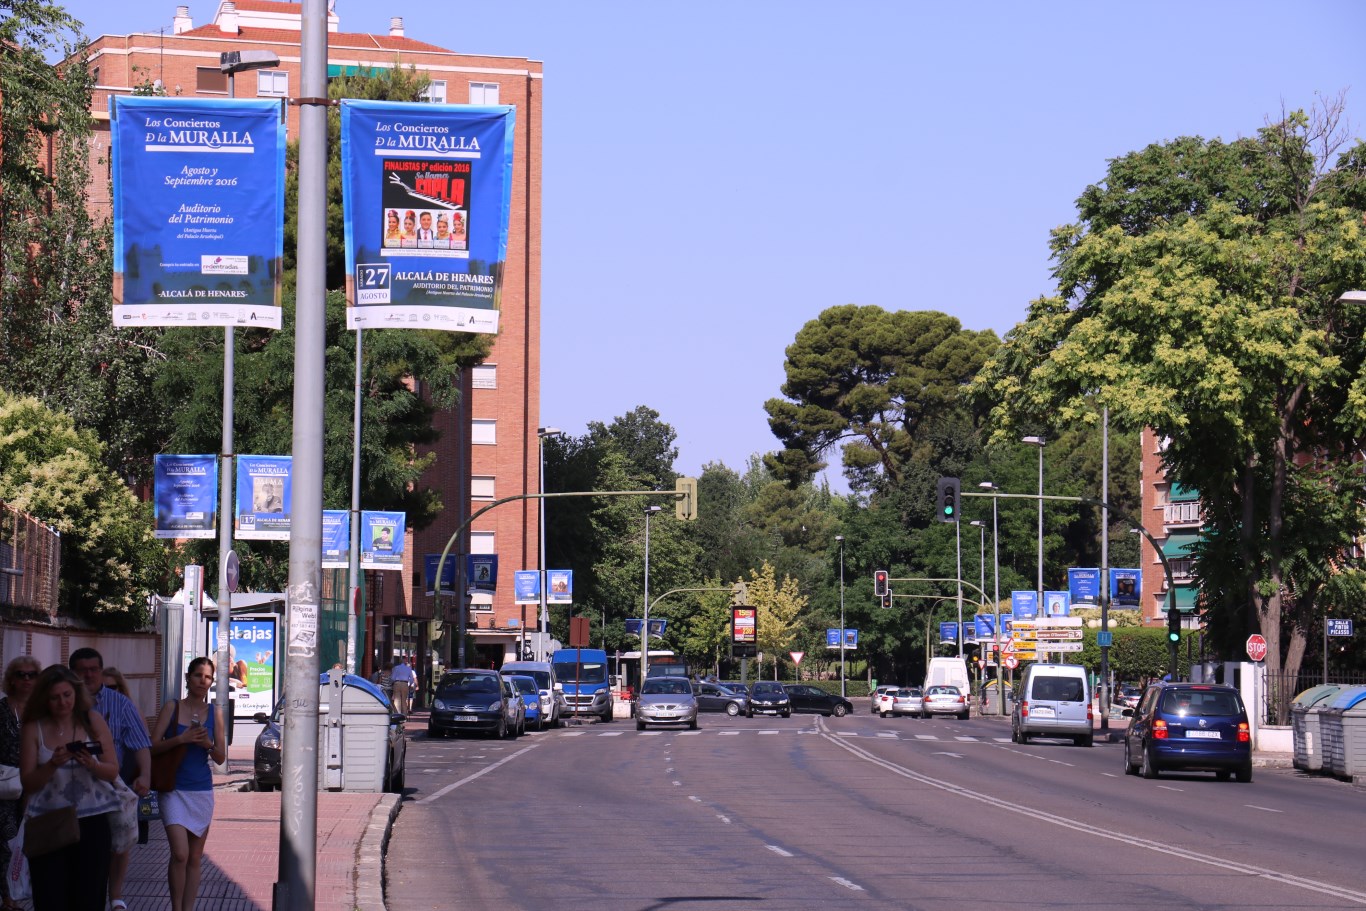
479 774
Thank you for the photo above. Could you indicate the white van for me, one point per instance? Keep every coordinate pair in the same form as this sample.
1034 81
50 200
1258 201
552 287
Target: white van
1054 700
543 672
949 672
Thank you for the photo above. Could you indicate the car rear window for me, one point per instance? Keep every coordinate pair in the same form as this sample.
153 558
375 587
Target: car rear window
1058 689
1197 704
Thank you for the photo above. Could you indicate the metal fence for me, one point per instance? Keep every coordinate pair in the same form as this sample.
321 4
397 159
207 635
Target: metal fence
30 565
1282 688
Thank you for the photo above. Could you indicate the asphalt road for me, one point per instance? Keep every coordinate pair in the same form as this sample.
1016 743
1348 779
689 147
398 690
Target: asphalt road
857 812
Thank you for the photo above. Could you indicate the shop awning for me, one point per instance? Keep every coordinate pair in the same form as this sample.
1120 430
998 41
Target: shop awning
1179 546
1180 493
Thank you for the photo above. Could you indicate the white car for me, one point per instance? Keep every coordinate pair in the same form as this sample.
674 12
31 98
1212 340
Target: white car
882 698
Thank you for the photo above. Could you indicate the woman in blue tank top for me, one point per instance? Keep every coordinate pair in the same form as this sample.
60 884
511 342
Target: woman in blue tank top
188 810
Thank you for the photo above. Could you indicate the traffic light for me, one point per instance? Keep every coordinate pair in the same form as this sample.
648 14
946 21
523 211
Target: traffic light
1173 625
946 495
887 598
880 583
685 501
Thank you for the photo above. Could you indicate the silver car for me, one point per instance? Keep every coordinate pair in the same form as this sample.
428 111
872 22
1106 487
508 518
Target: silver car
666 701
945 700
905 701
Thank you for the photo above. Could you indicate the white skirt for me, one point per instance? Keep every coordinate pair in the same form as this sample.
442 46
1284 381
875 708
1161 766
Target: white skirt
192 810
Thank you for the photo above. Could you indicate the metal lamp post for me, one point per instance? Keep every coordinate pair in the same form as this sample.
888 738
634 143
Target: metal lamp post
541 434
840 540
1039 442
996 587
645 620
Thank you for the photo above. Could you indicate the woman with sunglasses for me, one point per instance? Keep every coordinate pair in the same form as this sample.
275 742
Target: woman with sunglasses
20 676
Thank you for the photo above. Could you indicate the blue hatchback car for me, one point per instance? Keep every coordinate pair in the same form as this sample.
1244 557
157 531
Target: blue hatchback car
531 698
1192 727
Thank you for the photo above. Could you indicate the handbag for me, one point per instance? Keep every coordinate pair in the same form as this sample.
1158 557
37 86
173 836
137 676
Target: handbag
165 765
10 786
17 882
51 831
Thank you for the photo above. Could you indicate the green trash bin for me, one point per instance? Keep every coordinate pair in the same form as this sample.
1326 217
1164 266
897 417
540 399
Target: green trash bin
1304 723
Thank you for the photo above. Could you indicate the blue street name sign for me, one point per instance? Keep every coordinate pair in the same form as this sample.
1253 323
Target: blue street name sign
1339 627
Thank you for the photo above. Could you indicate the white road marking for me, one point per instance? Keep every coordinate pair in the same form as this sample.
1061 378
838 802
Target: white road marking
926 737
847 884
688 733
1060 762
946 753
573 733
725 819
851 734
611 733
1167 788
1109 774
1253 806
889 734
695 799
779 851
678 784
770 732
467 779
728 733
966 739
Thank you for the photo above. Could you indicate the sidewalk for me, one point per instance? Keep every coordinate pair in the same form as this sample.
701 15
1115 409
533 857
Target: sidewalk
241 858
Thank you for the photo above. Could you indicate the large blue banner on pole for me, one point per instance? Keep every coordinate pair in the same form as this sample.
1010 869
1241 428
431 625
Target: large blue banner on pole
1059 603
264 485
336 539
526 586
186 493
199 211
1084 585
1126 587
426 191
381 539
429 564
1024 605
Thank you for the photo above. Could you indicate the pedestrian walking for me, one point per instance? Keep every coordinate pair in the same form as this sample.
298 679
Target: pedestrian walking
132 749
20 677
66 760
403 678
187 810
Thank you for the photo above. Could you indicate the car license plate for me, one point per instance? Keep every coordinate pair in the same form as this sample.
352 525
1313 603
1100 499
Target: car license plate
1204 735
465 718
1042 712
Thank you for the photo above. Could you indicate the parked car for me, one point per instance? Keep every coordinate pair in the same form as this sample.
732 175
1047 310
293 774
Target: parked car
736 686
713 697
531 699
267 752
814 699
767 697
543 672
908 700
666 700
944 700
474 699
881 693
1126 696
1192 727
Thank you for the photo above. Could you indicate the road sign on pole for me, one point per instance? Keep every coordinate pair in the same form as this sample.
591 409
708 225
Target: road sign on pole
1012 662
797 657
1256 647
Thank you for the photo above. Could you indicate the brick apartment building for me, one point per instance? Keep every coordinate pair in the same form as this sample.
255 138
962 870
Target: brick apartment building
1171 514
489 446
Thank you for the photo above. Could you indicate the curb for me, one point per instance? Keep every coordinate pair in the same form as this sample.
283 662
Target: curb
374 841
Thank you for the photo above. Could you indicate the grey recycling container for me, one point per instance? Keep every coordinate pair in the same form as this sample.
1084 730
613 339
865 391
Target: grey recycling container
1341 723
354 731
1304 723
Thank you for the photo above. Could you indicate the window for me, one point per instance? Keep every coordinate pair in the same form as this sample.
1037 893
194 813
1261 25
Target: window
435 92
1182 513
210 79
274 83
1181 569
483 432
481 488
485 376
483 93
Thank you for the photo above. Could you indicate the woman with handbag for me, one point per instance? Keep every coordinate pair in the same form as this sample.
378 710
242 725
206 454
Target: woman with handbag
67 765
195 728
20 676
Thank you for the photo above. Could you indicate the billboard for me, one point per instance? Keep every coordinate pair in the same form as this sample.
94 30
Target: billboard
251 663
426 191
199 210
381 539
185 488
1058 604
264 485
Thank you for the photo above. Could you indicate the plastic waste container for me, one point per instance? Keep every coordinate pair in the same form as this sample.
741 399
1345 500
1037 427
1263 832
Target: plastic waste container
1304 724
360 740
1344 720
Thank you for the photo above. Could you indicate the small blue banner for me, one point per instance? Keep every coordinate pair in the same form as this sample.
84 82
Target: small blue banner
1024 605
381 539
186 493
481 574
1126 587
948 632
429 564
336 539
832 638
264 485
1059 603
985 627
657 627
526 586
559 586
1084 585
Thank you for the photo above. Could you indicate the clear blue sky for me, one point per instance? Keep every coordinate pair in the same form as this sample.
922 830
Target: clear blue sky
717 172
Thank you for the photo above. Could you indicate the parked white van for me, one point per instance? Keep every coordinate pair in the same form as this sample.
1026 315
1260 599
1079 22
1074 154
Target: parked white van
1054 700
543 672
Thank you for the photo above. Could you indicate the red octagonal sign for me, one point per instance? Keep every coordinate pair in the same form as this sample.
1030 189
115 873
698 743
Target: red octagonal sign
1256 647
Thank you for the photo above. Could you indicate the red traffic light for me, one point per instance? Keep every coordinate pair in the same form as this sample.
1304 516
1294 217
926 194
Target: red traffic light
880 583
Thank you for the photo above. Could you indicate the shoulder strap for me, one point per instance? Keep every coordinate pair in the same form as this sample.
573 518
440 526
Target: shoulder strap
175 720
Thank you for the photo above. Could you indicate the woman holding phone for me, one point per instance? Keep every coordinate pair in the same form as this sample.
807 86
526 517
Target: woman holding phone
187 811
67 759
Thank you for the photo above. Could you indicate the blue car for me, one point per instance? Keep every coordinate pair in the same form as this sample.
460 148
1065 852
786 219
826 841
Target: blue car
1189 727
531 697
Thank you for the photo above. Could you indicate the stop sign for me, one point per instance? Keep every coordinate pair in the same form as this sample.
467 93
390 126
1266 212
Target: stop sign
1256 647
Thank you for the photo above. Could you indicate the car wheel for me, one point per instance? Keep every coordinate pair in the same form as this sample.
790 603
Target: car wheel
640 725
732 709
963 716
395 783
1129 767
787 714
264 788
840 710
1024 736
884 714
433 733
1085 740
607 719
749 714
1223 775
1244 773
502 732
692 725
540 722
1014 736
1149 768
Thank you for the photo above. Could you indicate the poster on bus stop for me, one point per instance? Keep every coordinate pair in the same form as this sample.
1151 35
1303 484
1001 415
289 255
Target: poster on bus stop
251 663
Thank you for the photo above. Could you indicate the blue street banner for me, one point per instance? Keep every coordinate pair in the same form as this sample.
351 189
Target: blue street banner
948 632
1059 604
185 488
426 192
1084 585
251 664
526 586
264 486
1126 587
429 563
336 539
984 626
832 639
1024 605
657 627
199 210
381 539
481 574
559 587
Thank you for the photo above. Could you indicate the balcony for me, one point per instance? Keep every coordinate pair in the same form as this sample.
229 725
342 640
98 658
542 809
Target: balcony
1187 513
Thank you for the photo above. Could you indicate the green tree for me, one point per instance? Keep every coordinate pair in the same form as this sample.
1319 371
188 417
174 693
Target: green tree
54 471
777 608
1197 295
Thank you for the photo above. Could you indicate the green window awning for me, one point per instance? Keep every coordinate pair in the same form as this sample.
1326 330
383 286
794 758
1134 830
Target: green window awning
334 70
1185 598
1179 546
1180 493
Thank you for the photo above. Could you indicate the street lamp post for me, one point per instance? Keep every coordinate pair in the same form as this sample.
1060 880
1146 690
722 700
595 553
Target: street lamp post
1039 442
541 434
840 540
996 590
645 620
981 587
